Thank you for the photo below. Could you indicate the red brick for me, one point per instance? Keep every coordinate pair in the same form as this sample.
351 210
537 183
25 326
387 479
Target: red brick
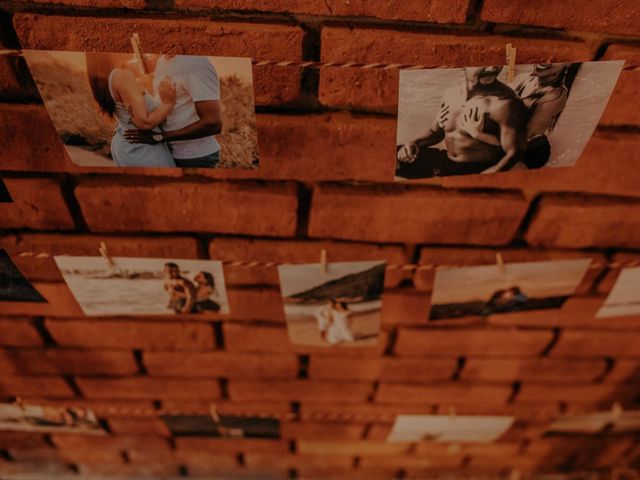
118 334
418 215
120 4
67 362
122 470
18 332
112 408
267 209
39 454
531 370
423 466
34 470
404 307
14 386
575 343
299 390
448 394
579 222
279 409
307 466
289 251
138 426
618 150
350 448
220 364
148 388
209 464
15 80
37 204
327 147
377 89
272 84
447 256
615 16
211 446
256 304
329 367
22 440
589 396
437 11
620 110
261 339
625 371
59 302
481 342
322 431
18 151
41 265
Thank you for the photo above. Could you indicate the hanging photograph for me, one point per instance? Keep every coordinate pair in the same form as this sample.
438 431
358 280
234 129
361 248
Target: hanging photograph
134 110
588 423
449 428
32 418
624 298
13 286
463 121
223 426
490 289
338 307
145 286
5 196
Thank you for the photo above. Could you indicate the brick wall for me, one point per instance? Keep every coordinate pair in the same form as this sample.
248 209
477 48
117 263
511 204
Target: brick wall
326 139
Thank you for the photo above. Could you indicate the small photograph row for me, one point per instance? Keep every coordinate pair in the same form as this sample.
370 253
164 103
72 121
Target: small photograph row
155 110
406 428
324 305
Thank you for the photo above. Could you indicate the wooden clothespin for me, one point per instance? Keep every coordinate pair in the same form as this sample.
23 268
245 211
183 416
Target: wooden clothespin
18 402
616 411
500 263
137 51
213 411
452 412
105 254
323 261
511 62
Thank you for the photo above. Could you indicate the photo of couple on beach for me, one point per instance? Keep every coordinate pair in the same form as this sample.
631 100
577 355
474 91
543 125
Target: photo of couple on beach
493 289
152 110
145 286
464 121
338 307
222 426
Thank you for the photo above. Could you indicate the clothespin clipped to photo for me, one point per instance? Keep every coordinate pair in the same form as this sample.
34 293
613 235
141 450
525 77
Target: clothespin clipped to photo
616 411
323 261
137 51
511 62
500 263
105 254
452 412
18 402
213 411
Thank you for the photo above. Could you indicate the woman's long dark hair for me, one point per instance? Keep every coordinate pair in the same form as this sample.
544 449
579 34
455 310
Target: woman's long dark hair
98 70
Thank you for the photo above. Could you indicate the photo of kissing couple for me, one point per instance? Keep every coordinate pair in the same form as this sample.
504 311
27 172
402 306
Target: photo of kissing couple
465 121
127 110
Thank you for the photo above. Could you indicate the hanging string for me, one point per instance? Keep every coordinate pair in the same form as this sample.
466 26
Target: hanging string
392 266
311 64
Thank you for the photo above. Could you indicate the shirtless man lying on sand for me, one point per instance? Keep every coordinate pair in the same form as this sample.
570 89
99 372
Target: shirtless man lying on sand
483 109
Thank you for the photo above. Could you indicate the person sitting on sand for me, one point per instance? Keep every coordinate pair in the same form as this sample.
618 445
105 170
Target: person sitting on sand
339 329
205 289
182 293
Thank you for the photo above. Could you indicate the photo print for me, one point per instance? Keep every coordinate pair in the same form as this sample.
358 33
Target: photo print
624 298
463 121
126 110
449 428
5 196
490 289
338 307
223 426
145 286
32 418
13 286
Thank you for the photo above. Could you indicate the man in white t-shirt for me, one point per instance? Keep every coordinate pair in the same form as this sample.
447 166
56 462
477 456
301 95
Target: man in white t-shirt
196 117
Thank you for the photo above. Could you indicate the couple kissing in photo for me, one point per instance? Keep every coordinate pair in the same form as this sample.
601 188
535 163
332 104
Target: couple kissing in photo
170 123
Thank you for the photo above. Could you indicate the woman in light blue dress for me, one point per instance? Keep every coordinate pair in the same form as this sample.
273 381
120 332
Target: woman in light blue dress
120 97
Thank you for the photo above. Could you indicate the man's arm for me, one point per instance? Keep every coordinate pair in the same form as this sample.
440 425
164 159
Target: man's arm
513 137
190 295
409 151
209 123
